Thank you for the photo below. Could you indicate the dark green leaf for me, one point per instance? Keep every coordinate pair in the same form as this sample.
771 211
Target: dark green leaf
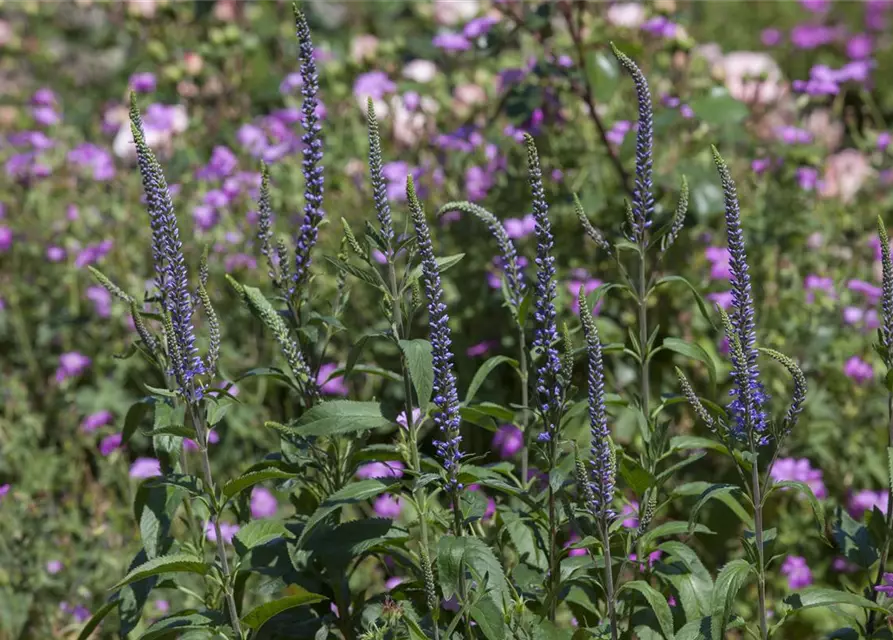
257 533
731 578
695 352
657 603
96 618
350 494
420 363
805 490
176 563
174 625
338 417
251 478
489 618
259 615
481 375
134 416
702 306
455 554
821 597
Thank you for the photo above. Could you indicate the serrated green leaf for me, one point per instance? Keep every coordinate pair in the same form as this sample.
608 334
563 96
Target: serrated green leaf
443 264
695 352
806 490
257 533
96 618
251 478
420 363
702 306
349 494
821 597
176 563
135 415
489 618
338 417
481 375
255 618
657 603
455 554
731 578
174 625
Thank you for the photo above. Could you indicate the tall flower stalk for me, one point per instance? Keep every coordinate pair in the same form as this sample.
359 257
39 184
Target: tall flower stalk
548 382
885 348
400 331
444 395
640 213
513 290
602 471
184 362
312 153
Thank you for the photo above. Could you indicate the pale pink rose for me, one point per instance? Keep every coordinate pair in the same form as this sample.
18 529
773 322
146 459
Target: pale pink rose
363 47
419 70
626 14
450 12
753 77
845 173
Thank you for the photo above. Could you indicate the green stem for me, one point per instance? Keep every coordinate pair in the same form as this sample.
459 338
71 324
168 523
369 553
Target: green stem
758 532
553 556
643 334
609 578
885 550
201 437
522 364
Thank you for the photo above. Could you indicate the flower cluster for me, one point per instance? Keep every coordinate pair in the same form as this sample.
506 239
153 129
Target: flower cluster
312 152
746 409
545 333
445 397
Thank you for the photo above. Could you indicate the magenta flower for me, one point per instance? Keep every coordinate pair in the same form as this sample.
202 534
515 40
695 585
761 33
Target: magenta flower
866 500
870 291
374 84
770 37
331 386
858 370
4 489
859 46
883 141
5 239
718 257
631 511
263 503
799 470
722 299
516 228
381 469
416 417
589 285
797 572
388 506
793 135
842 565
887 587
653 557
814 283
71 364
53 567
393 582
574 552
449 41
479 27
143 82
54 254
145 468
191 445
110 443
80 613
480 349
96 420
507 441
227 532
618 131
101 299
